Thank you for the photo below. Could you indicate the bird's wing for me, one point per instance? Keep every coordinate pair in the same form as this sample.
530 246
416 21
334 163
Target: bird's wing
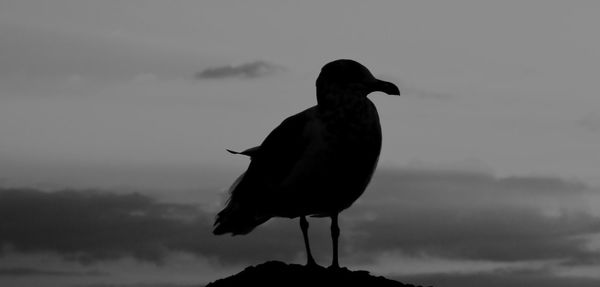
283 148
275 158
271 163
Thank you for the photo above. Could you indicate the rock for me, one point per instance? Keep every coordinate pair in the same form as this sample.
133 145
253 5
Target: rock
275 273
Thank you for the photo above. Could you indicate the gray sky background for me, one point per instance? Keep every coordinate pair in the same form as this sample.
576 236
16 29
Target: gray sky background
499 113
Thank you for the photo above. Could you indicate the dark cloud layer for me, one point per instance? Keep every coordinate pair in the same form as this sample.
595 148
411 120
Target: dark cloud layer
503 234
448 214
89 226
20 271
470 215
254 69
501 278
466 215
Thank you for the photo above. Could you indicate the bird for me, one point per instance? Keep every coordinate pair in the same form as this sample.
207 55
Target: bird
315 163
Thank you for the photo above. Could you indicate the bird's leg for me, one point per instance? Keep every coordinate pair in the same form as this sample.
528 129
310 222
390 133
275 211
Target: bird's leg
310 261
335 234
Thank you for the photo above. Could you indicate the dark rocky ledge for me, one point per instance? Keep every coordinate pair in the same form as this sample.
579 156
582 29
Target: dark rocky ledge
275 273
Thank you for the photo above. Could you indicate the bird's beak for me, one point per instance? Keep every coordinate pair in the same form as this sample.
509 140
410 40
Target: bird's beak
385 87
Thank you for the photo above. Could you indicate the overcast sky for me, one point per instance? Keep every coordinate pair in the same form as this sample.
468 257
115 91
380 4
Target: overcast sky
489 170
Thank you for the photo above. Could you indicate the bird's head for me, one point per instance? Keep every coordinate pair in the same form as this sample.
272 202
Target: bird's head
348 78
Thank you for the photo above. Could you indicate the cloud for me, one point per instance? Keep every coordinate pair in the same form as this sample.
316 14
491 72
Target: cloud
254 69
18 271
475 216
502 234
91 226
459 215
141 284
499 278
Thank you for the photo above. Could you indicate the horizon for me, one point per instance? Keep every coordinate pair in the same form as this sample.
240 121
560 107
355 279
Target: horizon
488 173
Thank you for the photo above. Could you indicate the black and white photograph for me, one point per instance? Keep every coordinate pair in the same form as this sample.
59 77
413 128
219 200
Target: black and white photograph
155 143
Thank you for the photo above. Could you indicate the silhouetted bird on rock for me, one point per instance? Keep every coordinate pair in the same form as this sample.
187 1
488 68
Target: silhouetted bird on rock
315 163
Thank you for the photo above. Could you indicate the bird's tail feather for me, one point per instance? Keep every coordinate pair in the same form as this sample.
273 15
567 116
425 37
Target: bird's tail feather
236 223
237 217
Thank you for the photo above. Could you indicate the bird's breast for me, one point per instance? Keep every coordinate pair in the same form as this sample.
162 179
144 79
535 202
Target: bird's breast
348 155
353 126
338 162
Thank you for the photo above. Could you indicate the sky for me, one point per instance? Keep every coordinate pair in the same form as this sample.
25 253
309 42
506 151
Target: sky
115 117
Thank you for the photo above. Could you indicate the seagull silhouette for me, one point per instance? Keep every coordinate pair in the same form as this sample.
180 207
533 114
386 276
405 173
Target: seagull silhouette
315 163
